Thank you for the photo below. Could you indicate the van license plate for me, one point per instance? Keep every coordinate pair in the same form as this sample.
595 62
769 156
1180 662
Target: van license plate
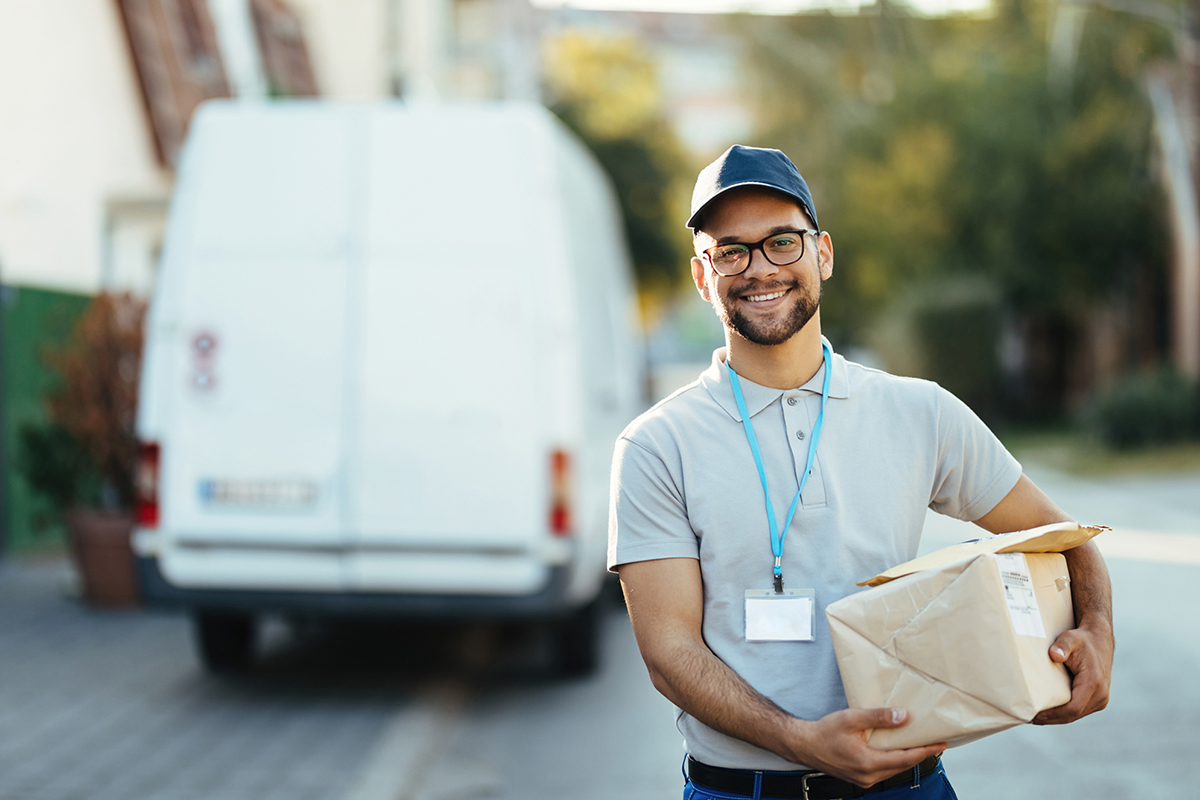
264 493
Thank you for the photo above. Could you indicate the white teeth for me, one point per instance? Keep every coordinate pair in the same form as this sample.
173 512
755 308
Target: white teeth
758 298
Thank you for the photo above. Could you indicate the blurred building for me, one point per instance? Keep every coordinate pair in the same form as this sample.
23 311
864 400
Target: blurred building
104 98
79 142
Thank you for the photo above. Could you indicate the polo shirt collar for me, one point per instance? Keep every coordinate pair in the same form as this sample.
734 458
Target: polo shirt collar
716 380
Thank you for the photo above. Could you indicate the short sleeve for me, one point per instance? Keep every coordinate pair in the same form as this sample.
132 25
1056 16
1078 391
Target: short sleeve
974 470
647 514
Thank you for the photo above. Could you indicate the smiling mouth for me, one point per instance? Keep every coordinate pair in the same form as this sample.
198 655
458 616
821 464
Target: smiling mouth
759 298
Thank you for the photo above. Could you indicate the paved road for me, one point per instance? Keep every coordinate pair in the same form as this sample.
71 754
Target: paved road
113 705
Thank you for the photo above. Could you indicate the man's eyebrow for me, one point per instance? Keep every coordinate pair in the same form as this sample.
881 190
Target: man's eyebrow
771 232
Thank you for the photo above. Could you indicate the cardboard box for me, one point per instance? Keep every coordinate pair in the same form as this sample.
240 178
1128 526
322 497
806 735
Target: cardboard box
961 637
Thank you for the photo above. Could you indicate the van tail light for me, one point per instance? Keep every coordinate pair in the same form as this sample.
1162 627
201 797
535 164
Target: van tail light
561 523
145 507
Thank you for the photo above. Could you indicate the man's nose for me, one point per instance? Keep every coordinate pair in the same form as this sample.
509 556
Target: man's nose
760 267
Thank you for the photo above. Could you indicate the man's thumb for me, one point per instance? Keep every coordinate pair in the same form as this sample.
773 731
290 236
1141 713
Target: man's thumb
1060 651
888 717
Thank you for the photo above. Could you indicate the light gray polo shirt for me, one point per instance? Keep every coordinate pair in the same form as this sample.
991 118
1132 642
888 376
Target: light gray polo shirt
684 485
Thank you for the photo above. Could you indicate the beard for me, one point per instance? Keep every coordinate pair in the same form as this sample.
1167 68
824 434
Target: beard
776 331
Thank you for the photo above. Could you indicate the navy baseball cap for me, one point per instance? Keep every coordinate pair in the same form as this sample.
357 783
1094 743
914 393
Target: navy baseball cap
749 166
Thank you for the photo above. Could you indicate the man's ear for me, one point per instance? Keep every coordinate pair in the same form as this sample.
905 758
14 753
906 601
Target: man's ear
700 278
825 255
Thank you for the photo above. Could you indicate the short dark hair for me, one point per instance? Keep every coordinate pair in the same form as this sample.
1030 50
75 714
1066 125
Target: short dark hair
701 218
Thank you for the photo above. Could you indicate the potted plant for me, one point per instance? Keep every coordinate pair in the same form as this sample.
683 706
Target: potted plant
84 461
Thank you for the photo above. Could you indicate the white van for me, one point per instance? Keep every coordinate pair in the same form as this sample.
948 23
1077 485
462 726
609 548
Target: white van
388 353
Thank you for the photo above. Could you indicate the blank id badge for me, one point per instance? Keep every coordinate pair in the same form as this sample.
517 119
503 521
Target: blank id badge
775 617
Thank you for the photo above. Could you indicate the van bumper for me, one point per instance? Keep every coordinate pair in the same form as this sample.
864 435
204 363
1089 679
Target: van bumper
548 603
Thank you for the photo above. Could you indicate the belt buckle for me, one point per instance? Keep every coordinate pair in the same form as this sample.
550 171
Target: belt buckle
804 783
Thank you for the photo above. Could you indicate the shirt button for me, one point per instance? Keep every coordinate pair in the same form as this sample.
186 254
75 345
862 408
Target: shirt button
791 401
799 434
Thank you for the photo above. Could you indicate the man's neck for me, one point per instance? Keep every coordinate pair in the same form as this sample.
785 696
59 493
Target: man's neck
782 366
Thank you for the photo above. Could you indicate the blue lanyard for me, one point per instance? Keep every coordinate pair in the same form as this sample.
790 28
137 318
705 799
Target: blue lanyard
777 535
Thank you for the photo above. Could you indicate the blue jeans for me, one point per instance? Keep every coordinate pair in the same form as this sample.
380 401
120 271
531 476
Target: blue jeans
934 786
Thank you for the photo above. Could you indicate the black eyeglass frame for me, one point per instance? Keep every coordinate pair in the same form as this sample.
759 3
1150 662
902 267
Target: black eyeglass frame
752 246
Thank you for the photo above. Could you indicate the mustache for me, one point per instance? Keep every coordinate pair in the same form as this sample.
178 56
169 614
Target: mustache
767 288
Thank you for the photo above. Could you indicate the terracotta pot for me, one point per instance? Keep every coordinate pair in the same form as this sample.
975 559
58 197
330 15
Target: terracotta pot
101 544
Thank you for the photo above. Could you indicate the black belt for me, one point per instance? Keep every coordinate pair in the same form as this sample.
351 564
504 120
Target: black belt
804 785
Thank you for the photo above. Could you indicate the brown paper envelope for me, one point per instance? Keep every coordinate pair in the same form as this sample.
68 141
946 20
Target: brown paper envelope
964 641
942 645
884 681
1050 682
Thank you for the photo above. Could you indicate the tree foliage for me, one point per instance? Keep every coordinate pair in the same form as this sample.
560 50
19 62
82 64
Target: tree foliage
605 88
959 146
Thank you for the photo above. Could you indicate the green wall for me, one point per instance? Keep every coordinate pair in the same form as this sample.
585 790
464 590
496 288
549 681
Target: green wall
34 319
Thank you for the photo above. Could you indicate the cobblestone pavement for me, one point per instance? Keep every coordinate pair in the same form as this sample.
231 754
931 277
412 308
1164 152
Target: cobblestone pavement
101 705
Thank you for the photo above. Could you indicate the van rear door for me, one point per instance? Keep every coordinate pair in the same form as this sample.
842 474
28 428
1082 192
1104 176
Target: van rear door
259 279
462 335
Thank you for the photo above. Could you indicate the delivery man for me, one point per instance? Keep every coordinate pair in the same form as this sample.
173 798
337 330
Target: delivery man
746 502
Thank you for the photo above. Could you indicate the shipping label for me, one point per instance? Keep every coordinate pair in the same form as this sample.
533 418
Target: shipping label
1019 594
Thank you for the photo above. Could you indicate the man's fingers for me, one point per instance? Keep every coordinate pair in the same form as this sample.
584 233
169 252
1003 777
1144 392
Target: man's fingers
1068 711
1054 716
896 760
1061 715
843 751
887 763
1088 695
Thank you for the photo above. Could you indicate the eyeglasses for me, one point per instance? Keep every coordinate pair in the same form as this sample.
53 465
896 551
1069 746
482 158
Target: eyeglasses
781 249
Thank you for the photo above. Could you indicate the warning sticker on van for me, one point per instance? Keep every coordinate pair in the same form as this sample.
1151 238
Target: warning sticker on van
268 493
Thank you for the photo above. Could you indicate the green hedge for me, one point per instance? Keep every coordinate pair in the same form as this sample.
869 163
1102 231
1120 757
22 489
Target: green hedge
1158 407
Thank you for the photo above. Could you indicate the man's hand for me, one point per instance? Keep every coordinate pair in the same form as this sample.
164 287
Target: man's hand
1088 655
837 745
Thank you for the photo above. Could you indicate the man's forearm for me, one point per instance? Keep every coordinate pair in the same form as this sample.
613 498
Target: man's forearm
664 599
1091 590
689 675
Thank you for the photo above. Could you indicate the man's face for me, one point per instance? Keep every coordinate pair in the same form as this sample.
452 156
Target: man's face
766 304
